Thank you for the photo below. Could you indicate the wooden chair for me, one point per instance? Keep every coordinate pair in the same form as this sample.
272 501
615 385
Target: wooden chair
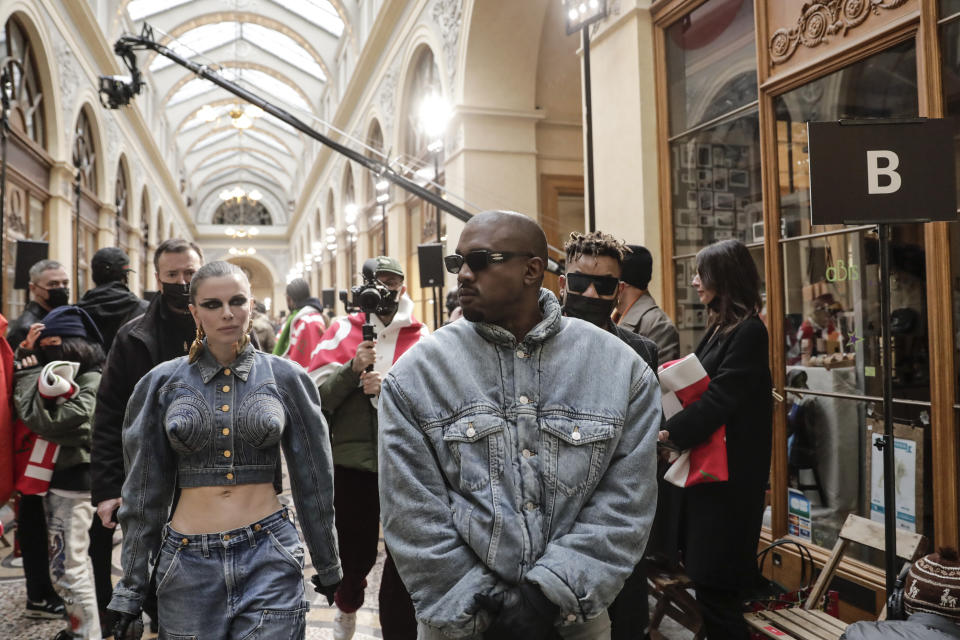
670 590
807 623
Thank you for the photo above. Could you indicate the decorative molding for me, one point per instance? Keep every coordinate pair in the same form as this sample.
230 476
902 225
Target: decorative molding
69 72
823 18
387 98
448 15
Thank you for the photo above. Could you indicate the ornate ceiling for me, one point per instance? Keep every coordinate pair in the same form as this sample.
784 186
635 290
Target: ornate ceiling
281 49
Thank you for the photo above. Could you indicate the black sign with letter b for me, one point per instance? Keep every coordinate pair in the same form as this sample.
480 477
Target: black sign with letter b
882 171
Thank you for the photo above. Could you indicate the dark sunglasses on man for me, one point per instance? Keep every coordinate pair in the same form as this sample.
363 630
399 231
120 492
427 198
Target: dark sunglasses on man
580 282
480 259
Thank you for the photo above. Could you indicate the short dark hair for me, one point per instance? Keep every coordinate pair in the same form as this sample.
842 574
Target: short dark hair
298 290
727 268
88 353
594 243
40 267
174 245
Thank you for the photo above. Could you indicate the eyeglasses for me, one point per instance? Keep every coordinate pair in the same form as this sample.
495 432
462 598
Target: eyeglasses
604 285
480 259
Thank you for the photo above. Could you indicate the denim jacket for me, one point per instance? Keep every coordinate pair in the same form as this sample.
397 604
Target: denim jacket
502 462
202 425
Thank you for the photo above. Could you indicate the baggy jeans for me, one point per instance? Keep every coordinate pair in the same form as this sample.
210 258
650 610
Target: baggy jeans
241 584
596 629
68 526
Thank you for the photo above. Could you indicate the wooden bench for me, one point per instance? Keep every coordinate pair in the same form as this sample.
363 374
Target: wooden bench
808 623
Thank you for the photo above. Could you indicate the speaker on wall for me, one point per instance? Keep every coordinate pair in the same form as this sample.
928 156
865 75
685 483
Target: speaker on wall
329 298
29 253
431 264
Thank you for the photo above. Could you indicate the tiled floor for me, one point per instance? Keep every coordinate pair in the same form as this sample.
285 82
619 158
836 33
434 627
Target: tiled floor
14 626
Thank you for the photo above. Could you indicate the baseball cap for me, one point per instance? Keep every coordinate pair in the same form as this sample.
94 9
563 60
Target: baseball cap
108 264
386 264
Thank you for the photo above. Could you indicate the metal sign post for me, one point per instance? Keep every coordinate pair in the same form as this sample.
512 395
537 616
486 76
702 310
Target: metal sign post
883 172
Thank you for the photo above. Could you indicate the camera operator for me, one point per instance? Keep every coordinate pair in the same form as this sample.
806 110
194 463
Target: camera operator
348 369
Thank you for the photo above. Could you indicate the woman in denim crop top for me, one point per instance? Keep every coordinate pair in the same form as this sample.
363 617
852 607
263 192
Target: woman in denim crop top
229 563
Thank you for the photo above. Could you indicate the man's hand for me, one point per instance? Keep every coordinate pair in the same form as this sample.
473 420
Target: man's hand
371 382
127 626
106 509
32 334
328 590
366 355
520 613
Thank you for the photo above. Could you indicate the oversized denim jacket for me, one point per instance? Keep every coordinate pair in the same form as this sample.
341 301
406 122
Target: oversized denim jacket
502 461
201 425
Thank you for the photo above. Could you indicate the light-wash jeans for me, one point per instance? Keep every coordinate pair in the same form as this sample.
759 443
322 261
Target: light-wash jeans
246 583
68 526
595 629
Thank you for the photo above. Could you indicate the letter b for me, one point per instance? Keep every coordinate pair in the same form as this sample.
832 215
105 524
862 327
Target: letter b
874 171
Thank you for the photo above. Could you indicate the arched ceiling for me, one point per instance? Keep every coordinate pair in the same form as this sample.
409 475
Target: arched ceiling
281 49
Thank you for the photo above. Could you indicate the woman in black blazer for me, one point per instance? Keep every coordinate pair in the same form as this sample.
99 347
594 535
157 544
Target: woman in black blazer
719 526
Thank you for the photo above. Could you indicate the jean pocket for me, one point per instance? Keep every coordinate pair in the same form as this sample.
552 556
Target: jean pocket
167 565
292 554
280 624
576 450
477 444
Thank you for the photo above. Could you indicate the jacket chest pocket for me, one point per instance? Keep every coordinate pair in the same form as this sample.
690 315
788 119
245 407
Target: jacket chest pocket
260 420
188 423
576 450
477 445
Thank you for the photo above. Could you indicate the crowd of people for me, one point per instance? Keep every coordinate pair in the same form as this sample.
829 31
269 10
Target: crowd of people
511 457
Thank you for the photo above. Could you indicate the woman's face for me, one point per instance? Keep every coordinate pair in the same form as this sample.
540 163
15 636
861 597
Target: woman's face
705 295
222 308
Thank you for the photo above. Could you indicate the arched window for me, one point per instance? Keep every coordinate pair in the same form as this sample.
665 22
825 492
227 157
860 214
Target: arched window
350 213
145 257
376 211
28 183
122 201
331 239
85 161
242 211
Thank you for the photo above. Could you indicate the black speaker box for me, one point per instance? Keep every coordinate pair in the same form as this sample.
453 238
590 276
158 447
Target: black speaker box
29 253
329 298
431 264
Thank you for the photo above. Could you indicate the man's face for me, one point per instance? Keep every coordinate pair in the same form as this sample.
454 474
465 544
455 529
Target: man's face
493 293
603 266
49 279
392 281
177 268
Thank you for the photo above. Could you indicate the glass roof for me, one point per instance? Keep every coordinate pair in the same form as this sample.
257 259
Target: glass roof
241 175
214 138
200 40
231 153
278 90
282 46
319 12
265 139
139 9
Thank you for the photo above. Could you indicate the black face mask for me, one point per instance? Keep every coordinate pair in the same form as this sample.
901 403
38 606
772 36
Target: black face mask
389 304
176 295
58 297
51 353
594 310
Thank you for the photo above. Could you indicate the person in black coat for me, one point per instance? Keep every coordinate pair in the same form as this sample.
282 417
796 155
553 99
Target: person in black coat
111 304
719 522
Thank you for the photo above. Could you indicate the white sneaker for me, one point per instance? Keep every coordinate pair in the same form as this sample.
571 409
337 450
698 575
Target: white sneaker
344 625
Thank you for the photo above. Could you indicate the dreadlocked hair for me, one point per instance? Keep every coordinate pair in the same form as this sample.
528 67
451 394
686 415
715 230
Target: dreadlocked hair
595 243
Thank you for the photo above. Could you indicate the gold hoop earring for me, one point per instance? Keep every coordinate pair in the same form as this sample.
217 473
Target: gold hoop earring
245 338
197 345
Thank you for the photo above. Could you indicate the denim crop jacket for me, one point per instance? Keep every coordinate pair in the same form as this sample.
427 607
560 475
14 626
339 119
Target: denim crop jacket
502 462
202 425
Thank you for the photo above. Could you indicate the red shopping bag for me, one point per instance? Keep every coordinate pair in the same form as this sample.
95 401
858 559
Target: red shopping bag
682 382
34 460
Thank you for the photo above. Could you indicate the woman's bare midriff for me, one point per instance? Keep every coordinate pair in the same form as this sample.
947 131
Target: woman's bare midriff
216 509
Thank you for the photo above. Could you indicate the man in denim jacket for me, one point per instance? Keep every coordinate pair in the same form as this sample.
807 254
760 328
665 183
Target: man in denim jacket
517 454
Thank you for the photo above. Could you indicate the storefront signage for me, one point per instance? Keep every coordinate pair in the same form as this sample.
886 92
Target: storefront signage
882 171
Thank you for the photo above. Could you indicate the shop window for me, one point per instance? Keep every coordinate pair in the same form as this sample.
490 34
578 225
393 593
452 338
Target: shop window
26 99
832 325
949 7
711 63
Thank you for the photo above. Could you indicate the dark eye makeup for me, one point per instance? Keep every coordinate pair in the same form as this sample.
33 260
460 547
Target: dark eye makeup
213 303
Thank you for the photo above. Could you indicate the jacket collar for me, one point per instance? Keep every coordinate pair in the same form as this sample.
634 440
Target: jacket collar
640 306
938 622
548 327
209 367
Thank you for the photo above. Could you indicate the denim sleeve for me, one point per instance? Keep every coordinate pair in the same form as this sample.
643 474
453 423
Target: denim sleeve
583 570
439 570
306 445
147 491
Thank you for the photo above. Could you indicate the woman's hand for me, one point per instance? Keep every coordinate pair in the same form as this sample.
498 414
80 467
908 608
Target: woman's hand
663 436
33 333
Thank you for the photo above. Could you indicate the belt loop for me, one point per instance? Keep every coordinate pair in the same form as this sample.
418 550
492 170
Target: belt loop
250 538
205 545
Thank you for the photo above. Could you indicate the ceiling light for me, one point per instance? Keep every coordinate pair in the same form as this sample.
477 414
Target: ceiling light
434 115
240 119
383 184
230 231
331 231
207 113
350 213
255 195
254 111
352 229
253 231
383 198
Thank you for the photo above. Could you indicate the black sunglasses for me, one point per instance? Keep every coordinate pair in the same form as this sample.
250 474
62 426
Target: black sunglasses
480 259
580 282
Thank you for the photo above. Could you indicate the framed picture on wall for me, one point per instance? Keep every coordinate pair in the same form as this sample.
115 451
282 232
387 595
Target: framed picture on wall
758 231
704 157
738 179
723 219
705 201
705 220
688 155
724 201
723 234
692 200
680 269
744 202
688 177
719 179
705 178
680 234
686 217
718 155
680 324
689 317
741 219
695 234
699 318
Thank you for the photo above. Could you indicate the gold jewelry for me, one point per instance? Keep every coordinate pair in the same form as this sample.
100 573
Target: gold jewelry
197 345
245 338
